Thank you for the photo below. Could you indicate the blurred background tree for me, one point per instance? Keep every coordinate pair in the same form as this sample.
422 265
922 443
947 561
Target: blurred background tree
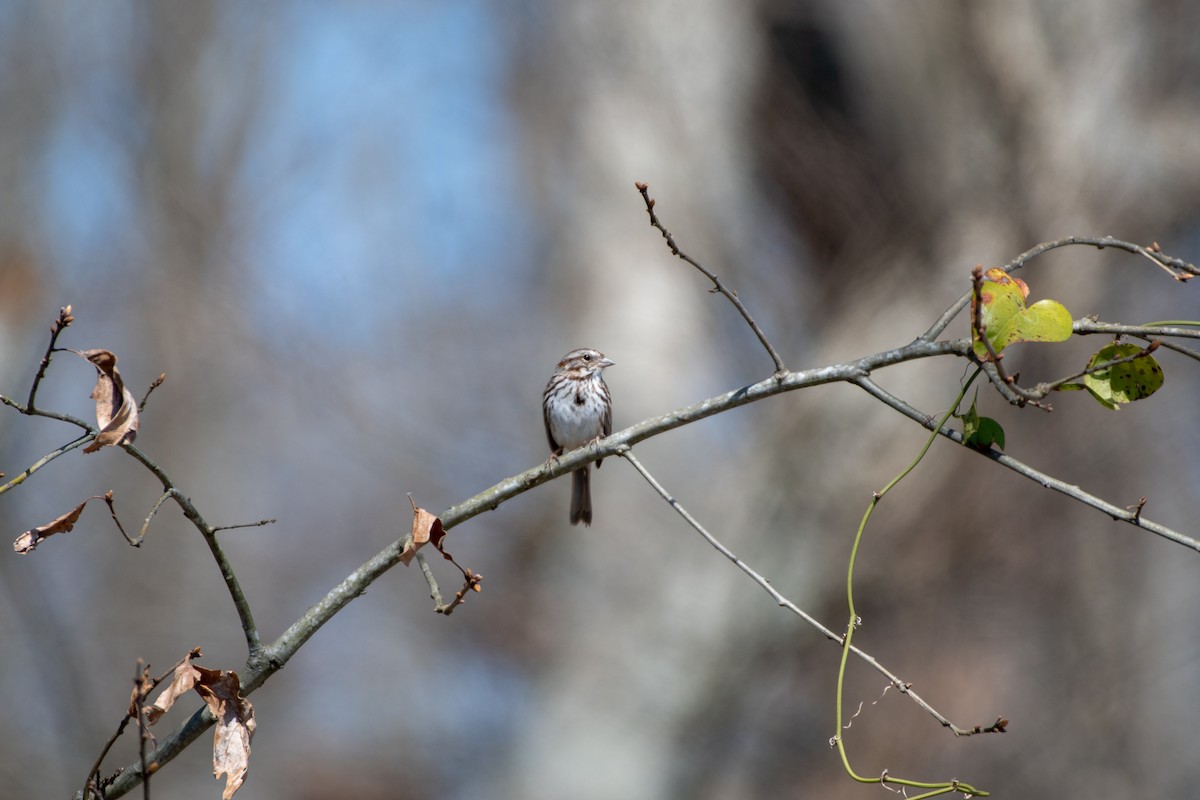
358 236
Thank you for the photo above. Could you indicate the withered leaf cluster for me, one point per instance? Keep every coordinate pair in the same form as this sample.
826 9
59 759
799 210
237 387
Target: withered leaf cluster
222 693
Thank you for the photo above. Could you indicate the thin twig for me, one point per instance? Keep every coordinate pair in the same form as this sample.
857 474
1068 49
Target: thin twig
93 782
1177 268
1144 332
44 460
112 509
434 592
162 376
259 524
1177 348
57 327
138 702
893 680
718 286
1087 325
232 585
37 412
471 584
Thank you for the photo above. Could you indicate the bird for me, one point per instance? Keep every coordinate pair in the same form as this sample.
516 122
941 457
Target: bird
577 410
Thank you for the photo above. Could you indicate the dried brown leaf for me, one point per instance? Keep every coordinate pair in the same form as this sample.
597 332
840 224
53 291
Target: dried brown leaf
116 408
426 528
185 678
222 693
30 539
221 690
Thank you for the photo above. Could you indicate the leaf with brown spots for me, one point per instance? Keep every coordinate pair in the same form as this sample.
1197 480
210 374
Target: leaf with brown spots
1007 319
116 408
1135 376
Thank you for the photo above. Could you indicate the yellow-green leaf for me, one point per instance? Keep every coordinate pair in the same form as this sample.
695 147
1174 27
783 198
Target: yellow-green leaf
1006 319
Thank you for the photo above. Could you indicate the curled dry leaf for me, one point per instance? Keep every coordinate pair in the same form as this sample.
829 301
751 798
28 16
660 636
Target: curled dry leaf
116 409
30 539
185 677
426 527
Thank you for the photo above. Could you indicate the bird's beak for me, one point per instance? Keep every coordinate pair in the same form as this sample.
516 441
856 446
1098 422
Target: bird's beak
606 362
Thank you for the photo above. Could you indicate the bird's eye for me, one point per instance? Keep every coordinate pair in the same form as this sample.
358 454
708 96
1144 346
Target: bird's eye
587 356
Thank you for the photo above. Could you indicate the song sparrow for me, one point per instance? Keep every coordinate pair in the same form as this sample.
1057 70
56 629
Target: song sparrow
577 409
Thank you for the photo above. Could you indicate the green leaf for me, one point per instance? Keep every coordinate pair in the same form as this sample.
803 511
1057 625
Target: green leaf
1006 319
981 432
989 433
1126 382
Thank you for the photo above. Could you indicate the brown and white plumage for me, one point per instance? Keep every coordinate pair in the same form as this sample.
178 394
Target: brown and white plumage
577 410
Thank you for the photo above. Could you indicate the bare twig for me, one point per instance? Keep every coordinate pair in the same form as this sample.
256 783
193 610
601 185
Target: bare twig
259 524
1143 332
893 680
718 286
37 412
93 782
1085 326
434 592
44 460
153 510
232 585
112 509
471 583
162 376
57 327
138 704
1177 268
1177 348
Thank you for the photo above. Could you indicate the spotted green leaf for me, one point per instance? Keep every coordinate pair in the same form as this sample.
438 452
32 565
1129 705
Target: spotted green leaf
1006 319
